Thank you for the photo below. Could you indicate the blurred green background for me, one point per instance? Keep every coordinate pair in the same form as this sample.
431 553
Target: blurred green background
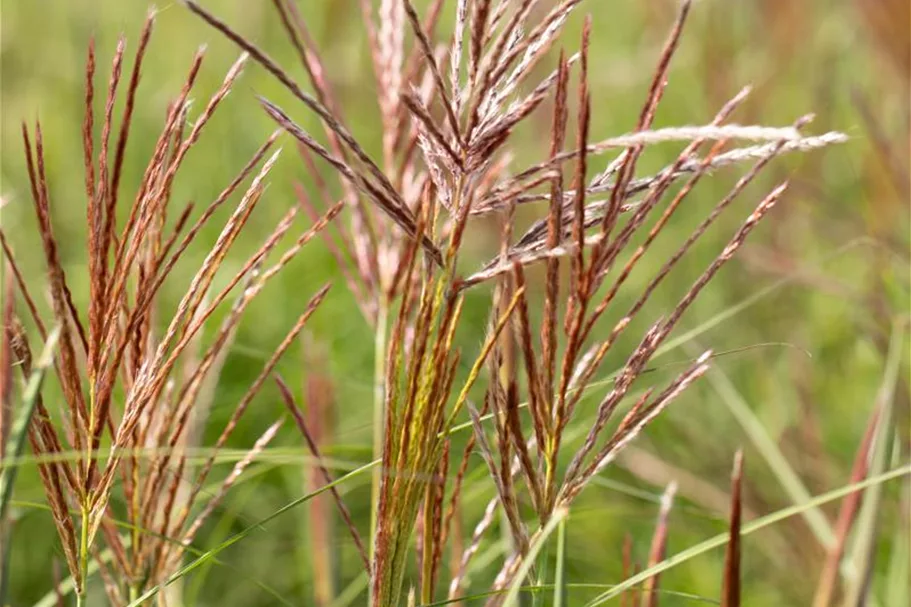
827 273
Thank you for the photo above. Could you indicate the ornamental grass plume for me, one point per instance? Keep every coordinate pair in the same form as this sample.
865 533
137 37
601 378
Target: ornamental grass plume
449 105
128 388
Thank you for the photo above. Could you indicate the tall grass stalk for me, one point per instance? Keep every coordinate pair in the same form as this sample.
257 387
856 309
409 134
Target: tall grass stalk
379 403
444 163
450 106
751 527
113 351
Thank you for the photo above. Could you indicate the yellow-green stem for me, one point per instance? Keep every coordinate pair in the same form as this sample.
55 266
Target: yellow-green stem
550 478
427 541
84 506
83 555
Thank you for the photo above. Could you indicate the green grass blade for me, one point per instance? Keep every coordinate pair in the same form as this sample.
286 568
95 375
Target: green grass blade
760 523
20 426
560 595
353 590
14 449
796 491
788 478
209 554
533 550
540 589
231 515
898 580
865 535
67 585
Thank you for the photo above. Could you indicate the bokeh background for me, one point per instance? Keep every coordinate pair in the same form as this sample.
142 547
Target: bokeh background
812 301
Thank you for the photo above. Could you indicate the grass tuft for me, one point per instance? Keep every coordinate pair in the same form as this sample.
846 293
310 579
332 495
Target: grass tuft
566 299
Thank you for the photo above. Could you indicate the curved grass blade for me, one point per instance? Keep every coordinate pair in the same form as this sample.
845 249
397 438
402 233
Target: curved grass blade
67 586
14 449
827 583
722 538
20 426
898 578
209 554
542 588
353 590
863 556
560 588
533 550
787 477
221 527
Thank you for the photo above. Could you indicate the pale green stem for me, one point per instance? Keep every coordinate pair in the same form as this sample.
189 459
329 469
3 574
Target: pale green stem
427 565
83 556
84 507
379 418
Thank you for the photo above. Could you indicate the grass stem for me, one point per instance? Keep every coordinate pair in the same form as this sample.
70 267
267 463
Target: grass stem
428 545
379 401
83 555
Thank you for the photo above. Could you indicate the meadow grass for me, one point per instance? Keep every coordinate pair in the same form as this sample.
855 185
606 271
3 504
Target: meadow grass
518 307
